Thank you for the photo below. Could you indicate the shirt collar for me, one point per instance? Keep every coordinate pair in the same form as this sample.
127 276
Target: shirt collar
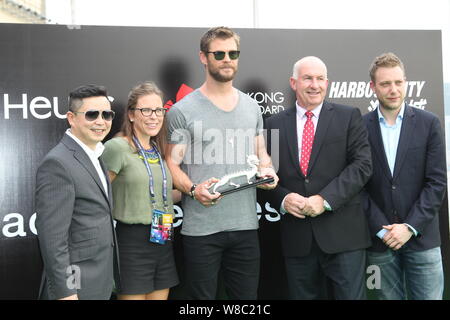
301 111
93 154
399 116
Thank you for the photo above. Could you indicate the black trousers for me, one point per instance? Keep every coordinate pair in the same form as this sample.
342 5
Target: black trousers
236 252
319 275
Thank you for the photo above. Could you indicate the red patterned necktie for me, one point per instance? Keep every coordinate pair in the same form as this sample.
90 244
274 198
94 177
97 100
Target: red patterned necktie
307 142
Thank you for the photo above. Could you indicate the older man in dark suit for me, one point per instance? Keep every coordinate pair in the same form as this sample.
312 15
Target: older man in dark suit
73 204
406 190
324 163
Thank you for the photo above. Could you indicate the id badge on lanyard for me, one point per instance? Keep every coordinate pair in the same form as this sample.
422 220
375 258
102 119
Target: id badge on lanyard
161 229
162 221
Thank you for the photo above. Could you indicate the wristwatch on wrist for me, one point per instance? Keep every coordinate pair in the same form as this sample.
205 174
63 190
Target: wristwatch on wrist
192 191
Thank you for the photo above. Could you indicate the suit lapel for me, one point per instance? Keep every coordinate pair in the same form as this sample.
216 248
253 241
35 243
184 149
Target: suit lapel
406 133
325 116
290 123
376 140
81 156
108 182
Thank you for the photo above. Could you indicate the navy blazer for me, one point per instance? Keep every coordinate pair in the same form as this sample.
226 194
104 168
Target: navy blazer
339 167
414 193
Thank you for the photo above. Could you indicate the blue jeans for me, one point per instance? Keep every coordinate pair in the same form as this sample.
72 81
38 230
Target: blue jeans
408 274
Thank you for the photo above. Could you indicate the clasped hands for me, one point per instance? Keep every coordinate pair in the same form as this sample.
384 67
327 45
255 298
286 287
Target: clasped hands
396 236
301 207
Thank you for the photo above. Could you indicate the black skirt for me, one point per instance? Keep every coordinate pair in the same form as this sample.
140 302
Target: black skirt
144 266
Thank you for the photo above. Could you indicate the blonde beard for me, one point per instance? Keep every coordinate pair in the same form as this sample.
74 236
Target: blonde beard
219 78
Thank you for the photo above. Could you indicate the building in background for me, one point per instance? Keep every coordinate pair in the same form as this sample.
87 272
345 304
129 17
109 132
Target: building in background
22 11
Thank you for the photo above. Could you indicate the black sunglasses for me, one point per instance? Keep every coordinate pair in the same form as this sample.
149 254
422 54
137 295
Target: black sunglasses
92 115
220 55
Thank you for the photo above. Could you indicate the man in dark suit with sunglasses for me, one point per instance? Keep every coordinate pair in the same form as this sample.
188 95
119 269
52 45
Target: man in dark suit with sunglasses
73 205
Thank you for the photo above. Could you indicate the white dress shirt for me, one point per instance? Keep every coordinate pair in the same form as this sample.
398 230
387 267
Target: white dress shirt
93 156
301 120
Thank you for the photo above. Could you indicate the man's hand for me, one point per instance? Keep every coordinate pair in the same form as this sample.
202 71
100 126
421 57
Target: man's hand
268 172
397 235
203 195
314 206
294 204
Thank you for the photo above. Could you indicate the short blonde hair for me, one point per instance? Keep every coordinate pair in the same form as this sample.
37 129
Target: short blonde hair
218 33
386 60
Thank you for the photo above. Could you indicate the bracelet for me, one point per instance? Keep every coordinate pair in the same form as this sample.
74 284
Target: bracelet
192 191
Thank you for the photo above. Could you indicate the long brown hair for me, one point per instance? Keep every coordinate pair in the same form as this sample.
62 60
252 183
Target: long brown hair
127 130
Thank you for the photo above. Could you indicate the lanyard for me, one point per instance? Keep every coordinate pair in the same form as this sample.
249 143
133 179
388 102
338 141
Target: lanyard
149 171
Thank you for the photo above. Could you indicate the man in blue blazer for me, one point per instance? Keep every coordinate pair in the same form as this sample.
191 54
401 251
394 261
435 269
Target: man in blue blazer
406 190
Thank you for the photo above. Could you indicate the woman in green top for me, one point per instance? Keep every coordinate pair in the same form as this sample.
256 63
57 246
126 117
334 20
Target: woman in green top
142 188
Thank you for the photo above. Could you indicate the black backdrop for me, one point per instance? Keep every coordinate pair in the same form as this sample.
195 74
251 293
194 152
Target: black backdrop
40 64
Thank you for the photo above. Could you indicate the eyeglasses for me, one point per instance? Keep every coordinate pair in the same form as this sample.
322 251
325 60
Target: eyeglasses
92 115
220 55
147 112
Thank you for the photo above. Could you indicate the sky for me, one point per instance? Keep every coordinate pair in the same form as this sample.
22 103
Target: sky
283 14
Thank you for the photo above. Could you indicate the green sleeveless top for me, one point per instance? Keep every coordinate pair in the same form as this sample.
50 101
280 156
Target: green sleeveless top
131 186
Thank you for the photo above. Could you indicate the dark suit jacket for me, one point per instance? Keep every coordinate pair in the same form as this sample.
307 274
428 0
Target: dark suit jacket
339 166
74 225
414 194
